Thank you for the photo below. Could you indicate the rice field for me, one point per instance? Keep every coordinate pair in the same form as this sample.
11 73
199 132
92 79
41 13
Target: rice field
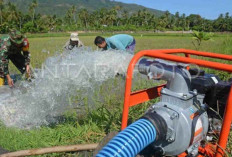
43 47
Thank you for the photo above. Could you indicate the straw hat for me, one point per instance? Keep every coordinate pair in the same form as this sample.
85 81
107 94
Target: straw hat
74 37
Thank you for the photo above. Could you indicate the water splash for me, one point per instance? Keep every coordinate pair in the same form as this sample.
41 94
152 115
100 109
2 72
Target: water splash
48 95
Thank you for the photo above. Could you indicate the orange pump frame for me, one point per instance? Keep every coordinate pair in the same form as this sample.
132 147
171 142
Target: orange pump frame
135 98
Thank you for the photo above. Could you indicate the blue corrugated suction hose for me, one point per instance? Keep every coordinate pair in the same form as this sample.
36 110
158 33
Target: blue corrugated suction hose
130 141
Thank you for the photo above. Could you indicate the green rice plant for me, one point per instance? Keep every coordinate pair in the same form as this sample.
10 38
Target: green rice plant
225 48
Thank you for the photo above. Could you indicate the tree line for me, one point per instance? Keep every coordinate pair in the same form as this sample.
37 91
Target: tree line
113 19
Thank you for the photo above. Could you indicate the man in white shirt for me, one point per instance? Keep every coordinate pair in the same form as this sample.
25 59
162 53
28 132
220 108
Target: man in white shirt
73 42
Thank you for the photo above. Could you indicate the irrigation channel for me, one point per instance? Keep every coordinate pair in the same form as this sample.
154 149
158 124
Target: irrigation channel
39 102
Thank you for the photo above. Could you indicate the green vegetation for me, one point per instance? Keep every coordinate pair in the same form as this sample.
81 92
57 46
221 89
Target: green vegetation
199 37
91 125
61 6
111 16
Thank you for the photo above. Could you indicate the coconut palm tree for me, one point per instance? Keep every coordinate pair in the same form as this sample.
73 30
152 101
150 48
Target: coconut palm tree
84 15
74 11
32 7
12 14
125 17
111 16
1 9
198 37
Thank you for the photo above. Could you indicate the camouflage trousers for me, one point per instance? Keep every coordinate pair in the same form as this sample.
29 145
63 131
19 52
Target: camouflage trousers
3 63
17 59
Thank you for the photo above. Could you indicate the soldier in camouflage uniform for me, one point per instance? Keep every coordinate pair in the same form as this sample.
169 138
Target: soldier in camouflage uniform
11 47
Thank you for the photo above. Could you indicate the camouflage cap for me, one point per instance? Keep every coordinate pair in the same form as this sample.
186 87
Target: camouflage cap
16 36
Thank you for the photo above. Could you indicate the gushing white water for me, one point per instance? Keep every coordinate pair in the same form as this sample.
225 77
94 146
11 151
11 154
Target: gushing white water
48 95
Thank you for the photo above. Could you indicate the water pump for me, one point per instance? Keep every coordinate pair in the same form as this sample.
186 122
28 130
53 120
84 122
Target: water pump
180 119
179 122
182 109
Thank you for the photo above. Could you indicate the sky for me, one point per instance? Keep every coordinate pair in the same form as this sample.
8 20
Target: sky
209 9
